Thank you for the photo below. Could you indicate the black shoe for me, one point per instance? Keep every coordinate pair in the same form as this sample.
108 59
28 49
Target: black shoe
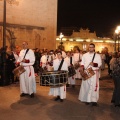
94 104
61 100
57 98
87 103
32 95
22 95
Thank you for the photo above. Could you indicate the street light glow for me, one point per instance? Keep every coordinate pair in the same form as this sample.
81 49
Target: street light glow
118 28
61 37
116 31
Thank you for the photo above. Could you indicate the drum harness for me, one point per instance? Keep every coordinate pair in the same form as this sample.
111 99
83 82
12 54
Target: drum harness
27 66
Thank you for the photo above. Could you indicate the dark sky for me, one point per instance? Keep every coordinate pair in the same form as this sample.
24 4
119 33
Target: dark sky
101 16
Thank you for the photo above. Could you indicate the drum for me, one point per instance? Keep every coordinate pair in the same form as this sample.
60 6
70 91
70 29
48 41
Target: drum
71 70
88 73
53 78
76 66
50 68
18 71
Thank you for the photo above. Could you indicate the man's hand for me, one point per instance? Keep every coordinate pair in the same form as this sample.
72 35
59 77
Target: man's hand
82 69
24 60
91 64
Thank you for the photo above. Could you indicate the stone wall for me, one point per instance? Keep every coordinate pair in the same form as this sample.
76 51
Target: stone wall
34 21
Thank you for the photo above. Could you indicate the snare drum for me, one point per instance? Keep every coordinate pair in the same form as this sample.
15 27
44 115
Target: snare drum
18 71
71 70
53 78
88 73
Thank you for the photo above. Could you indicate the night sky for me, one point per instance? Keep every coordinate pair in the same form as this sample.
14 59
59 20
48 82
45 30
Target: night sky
101 16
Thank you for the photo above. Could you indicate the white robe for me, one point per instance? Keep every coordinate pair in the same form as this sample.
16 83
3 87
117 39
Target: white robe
89 92
59 91
103 57
27 79
77 57
43 61
71 80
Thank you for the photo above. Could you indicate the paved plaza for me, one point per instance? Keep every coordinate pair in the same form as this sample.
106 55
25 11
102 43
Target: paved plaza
43 107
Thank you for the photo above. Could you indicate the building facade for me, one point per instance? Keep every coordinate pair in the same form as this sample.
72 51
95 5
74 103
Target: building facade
34 21
83 38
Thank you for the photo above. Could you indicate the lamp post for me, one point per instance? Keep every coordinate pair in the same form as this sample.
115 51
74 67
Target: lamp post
61 37
115 39
117 31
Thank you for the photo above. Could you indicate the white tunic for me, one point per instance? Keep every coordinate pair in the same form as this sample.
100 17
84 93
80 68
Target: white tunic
103 57
77 57
59 91
43 61
71 80
89 91
27 79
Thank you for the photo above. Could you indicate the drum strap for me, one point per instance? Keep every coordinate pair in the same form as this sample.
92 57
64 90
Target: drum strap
71 60
26 53
47 58
93 57
92 60
60 65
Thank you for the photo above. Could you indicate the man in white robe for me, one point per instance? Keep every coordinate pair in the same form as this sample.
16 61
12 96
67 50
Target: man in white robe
60 92
51 57
89 91
77 56
71 79
44 60
27 79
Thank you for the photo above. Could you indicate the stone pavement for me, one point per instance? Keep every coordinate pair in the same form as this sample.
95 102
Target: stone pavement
43 107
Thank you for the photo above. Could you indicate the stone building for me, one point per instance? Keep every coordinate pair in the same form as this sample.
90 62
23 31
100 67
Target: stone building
34 21
83 38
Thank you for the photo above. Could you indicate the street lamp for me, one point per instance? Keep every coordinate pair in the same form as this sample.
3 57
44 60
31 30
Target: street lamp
117 31
61 37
